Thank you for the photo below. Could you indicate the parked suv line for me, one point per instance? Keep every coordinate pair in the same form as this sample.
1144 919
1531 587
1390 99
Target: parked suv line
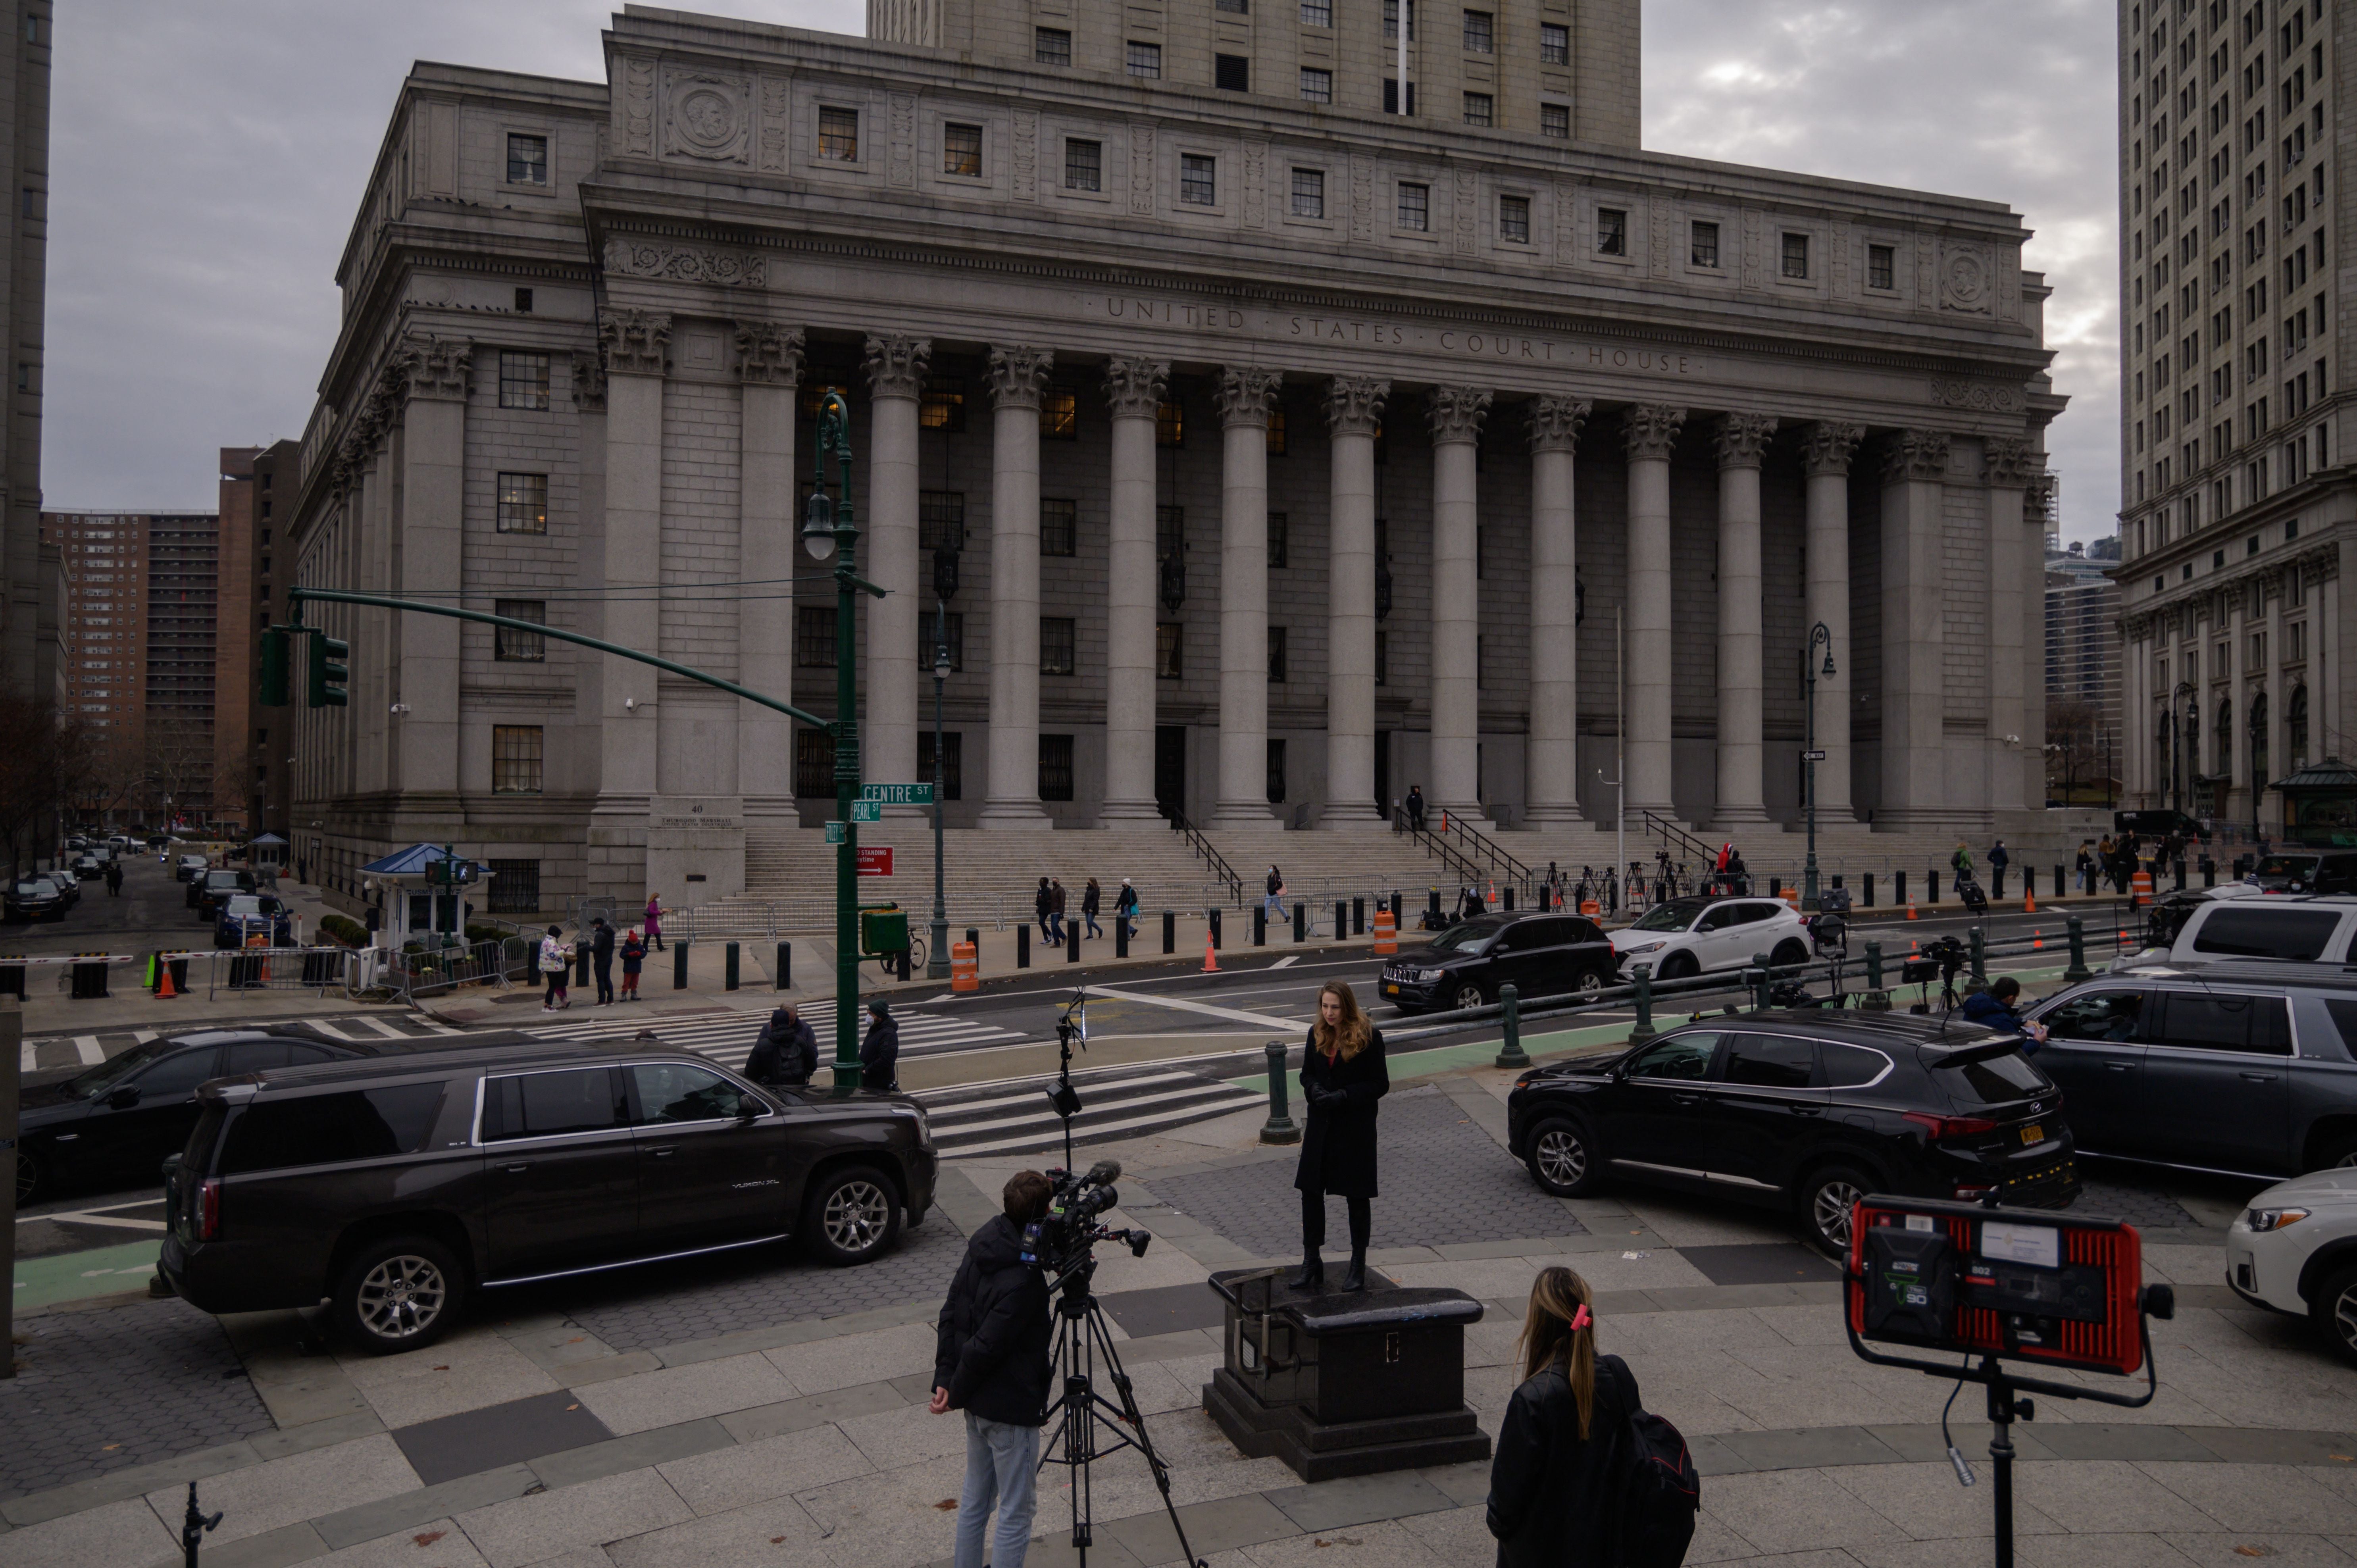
1539 955
1686 935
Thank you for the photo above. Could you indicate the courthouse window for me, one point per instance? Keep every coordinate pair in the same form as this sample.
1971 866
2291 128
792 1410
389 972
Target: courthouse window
1276 654
1308 193
1797 256
1612 231
1317 86
1705 245
1084 166
515 887
1881 266
1060 528
518 647
1415 206
1051 46
1480 108
838 135
1317 13
1144 59
1199 179
1277 772
1234 8
1382 657
1057 652
1478 32
1277 538
953 762
1169 650
962 150
1391 20
1060 416
929 634
527 160
1231 73
814 763
941 406
515 759
815 637
1554 119
1169 424
1554 44
1276 441
523 379
1055 767
1515 220
941 520
524 503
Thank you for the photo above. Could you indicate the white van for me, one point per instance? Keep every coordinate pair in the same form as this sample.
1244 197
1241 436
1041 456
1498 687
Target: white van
2225 931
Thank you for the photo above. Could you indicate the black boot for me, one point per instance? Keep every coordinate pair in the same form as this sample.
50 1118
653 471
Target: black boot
1312 1276
1354 1278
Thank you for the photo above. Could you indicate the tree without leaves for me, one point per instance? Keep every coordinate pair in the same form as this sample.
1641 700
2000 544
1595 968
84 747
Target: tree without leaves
2075 733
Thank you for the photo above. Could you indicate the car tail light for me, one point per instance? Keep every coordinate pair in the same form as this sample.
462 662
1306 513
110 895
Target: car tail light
207 1214
1938 1127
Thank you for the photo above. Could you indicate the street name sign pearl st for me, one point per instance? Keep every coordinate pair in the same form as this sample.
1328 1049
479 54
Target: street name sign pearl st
867 810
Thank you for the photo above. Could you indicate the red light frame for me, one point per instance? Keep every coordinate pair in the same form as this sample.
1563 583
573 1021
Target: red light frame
2114 1345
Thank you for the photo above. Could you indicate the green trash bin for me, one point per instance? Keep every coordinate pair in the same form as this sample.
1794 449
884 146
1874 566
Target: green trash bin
884 930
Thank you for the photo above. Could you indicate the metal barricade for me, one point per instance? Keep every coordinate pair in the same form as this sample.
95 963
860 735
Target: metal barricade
275 969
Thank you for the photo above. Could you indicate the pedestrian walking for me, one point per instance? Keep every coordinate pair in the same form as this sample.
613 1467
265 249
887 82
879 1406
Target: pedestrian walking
634 954
1043 905
1416 806
1738 876
655 913
601 960
991 1361
1055 909
1090 903
555 965
2082 868
1342 1077
1124 908
1275 907
1556 1478
1999 859
115 878
785 1053
880 1053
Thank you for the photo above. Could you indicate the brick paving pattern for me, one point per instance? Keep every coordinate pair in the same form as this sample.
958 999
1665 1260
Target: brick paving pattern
2140 1207
101 1391
1464 1188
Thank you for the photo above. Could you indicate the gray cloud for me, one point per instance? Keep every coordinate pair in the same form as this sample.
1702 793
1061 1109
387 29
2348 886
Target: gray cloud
207 161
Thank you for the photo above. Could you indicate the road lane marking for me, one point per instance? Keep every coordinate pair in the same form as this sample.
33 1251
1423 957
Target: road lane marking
1181 1004
1285 962
86 1047
381 1028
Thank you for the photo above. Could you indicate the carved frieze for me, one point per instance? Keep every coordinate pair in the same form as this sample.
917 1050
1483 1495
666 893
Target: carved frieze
1246 394
637 343
638 107
1141 167
1555 420
777 97
1454 413
896 365
1740 439
1018 376
769 354
1027 155
1354 404
1135 387
589 380
436 367
635 258
707 116
2010 462
1979 396
1916 458
1652 431
1256 185
1967 279
1827 445
900 162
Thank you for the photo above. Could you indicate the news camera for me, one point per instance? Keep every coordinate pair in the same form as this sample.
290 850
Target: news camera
1061 1242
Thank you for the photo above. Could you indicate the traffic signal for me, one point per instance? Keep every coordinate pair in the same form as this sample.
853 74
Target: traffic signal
328 673
274 669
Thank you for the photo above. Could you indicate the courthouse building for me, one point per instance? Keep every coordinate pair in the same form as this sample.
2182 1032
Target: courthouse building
1296 451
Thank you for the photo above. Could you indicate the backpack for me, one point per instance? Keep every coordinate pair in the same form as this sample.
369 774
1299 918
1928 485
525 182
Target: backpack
1660 1491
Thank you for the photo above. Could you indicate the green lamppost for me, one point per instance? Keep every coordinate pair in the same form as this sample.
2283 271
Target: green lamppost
829 532
1809 671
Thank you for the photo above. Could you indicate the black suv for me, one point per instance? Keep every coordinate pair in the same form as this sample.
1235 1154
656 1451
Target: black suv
2306 871
210 891
1538 955
2246 1067
391 1189
1809 1110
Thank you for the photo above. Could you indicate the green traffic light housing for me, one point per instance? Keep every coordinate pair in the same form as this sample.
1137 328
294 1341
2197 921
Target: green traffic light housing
274 669
330 671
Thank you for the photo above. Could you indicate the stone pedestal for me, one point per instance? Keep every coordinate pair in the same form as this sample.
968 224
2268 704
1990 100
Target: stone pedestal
695 848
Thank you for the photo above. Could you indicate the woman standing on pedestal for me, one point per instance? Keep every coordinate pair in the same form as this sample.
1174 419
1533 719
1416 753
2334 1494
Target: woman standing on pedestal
1342 1077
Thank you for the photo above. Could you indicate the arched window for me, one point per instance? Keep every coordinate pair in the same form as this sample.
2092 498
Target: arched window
2297 716
2258 744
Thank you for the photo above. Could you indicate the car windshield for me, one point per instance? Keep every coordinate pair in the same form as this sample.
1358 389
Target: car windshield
111 1071
244 903
1677 915
1471 937
32 888
2295 866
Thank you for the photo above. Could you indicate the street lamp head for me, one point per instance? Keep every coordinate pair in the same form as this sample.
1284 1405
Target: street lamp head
1829 670
941 663
818 524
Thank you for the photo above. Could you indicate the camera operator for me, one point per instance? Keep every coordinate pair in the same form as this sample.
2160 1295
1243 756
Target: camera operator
786 1053
1993 1009
991 1361
1342 1077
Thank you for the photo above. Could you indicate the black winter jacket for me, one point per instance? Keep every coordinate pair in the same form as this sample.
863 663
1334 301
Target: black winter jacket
1338 1151
601 945
786 1052
991 1343
1554 1497
879 1056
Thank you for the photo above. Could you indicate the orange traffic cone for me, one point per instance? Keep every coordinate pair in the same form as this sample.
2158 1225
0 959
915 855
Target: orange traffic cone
2037 939
165 993
1211 959
1910 909
2029 903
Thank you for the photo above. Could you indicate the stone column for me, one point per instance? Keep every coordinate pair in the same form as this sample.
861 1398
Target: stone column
1018 378
1551 761
1914 695
1652 435
888 731
1455 414
770 365
2034 633
588 670
1826 450
637 345
2326 733
1354 411
433 508
1739 439
1134 389
1245 398
2005 468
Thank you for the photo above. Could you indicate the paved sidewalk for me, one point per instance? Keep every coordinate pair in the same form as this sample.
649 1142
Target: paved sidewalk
766 1412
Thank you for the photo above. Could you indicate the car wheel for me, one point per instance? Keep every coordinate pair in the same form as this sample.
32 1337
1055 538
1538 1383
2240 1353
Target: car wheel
32 1181
1561 1160
851 1217
1468 995
1679 966
2334 1312
1827 1200
1788 952
400 1293
1592 983
2338 1153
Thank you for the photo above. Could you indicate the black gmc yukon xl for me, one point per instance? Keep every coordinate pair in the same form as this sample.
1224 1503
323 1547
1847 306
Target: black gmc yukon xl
390 1188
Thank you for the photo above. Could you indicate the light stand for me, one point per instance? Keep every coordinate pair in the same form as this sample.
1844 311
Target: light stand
1818 633
945 585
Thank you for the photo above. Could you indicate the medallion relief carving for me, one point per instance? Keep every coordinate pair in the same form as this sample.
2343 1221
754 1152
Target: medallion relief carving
1966 284
707 116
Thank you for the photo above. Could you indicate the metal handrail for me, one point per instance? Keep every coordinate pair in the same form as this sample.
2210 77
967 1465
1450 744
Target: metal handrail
1205 848
1676 838
1499 859
1452 858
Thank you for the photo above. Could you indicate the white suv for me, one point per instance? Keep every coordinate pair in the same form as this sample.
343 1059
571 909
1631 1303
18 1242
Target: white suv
2249 926
1687 935
2295 1250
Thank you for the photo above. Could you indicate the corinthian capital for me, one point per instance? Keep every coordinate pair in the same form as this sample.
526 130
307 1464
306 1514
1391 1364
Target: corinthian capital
638 342
1827 446
1740 438
589 382
1555 421
1454 413
896 365
2010 462
435 367
1916 456
1018 376
1247 393
1652 431
1135 387
769 354
1354 404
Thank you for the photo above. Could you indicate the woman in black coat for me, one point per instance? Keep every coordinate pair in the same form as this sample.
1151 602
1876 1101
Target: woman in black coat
1342 1077
1553 1500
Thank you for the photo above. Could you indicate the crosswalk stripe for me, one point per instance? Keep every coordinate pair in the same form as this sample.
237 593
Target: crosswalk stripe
381 1028
28 1057
86 1047
1152 1114
333 1033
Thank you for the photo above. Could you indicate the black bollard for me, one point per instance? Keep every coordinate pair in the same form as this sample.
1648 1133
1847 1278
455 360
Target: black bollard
581 964
1300 921
1341 920
1023 947
1759 977
1932 886
1432 904
1120 934
1280 1127
1169 930
785 966
679 966
1511 1053
1642 977
1073 942
2078 970
1508 896
1897 888
1260 925
729 971
1217 945
1775 887
1979 969
1867 902
1358 917
2179 867
2060 886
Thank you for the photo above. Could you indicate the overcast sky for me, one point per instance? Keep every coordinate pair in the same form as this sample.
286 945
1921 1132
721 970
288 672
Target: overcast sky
208 159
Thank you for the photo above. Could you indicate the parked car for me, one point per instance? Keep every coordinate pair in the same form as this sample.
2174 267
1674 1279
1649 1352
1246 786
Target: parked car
2190 931
394 1189
1686 935
189 867
115 1124
217 888
35 899
2241 1067
1539 955
88 868
2306 871
68 885
248 915
2294 1250
1803 1110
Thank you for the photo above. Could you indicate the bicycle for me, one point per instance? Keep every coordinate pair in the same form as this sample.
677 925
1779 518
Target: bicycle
889 962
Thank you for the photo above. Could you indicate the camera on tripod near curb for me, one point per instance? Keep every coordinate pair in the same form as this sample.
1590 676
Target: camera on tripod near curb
1059 1242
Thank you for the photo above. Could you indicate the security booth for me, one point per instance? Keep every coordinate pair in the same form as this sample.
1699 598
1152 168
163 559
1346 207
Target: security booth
268 851
428 892
2319 804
